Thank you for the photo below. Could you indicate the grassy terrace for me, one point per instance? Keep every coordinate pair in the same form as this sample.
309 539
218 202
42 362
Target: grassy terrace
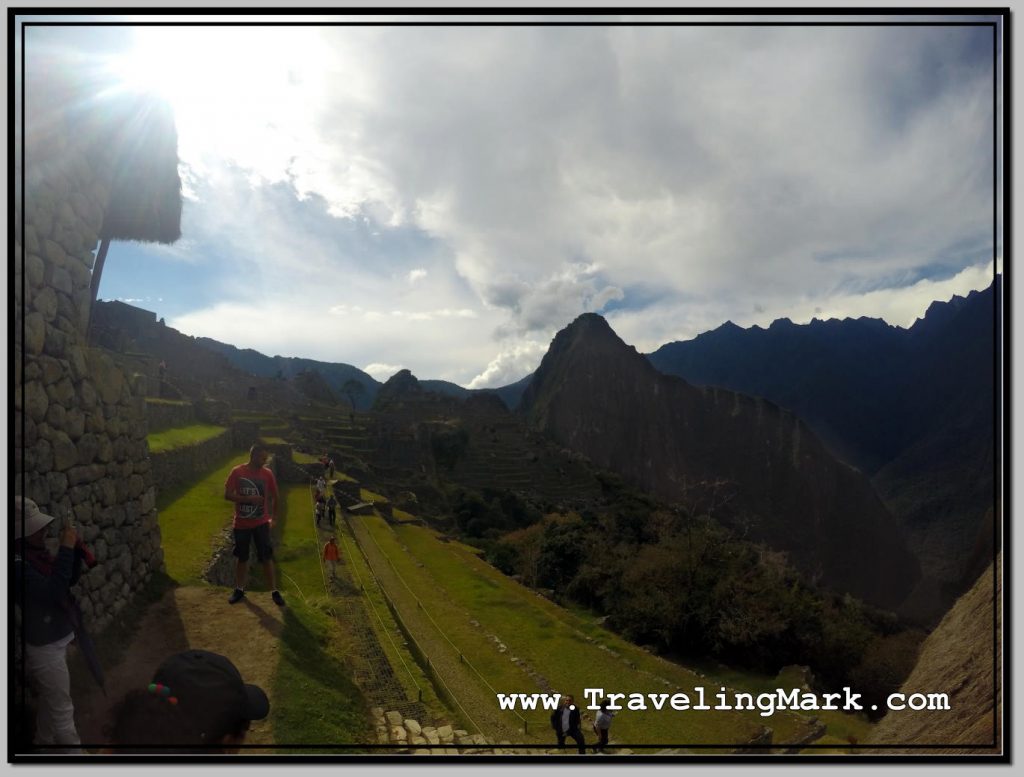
159 442
313 698
568 652
192 518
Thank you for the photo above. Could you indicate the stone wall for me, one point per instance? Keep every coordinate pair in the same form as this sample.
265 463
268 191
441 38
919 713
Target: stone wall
79 427
169 415
183 465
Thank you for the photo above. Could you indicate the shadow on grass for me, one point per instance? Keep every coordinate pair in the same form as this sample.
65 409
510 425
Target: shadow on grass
316 702
267 622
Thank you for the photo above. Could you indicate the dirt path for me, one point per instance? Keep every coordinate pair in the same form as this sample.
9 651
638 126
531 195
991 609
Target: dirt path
192 617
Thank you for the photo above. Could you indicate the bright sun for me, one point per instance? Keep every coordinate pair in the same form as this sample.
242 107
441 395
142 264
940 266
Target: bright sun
223 83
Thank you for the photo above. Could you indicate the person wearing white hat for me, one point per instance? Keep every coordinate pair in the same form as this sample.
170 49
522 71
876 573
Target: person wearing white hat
43 587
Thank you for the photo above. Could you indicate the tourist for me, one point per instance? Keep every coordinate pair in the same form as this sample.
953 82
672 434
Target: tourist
253 489
332 506
330 469
565 720
197 702
318 510
48 614
331 555
321 486
602 723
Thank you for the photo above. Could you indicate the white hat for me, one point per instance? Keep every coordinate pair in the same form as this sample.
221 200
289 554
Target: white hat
28 518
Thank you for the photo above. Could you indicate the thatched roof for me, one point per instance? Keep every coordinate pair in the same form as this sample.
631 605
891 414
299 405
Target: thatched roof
129 133
145 196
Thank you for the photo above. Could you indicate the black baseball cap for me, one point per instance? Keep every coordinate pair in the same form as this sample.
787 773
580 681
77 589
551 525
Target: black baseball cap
209 689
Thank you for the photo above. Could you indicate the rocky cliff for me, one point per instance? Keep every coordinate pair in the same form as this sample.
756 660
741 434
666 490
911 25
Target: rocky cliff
756 466
962 658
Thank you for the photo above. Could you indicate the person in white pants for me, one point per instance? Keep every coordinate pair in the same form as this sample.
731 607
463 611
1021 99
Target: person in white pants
43 584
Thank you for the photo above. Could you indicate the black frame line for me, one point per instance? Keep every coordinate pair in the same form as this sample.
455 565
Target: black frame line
1002 361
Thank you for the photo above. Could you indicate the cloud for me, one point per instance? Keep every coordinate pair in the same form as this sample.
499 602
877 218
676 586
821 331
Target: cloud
510 365
490 184
381 372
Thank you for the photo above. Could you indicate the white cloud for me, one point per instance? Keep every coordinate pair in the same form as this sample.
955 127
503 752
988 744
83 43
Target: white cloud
490 184
512 364
381 372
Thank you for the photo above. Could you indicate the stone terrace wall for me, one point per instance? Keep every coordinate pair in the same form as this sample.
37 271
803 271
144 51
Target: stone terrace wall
79 430
183 465
161 415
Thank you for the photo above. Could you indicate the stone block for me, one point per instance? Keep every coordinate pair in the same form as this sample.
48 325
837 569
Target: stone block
62 392
35 401
87 473
83 515
412 726
45 302
76 362
56 341
53 253
88 395
74 424
445 733
394 718
57 482
35 271
100 549
35 333
65 455
398 734
55 415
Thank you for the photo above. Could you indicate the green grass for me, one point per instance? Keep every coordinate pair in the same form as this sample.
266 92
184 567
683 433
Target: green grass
175 402
402 515
182 437
304 458
273 440
191 519
453 582
369 496
315 700
405 667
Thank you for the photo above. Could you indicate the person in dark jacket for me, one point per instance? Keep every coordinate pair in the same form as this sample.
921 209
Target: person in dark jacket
43 593
197 702
565 720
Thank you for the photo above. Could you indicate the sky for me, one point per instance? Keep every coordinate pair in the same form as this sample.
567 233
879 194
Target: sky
445 199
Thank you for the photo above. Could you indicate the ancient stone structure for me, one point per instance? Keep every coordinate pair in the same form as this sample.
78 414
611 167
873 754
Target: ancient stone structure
79 426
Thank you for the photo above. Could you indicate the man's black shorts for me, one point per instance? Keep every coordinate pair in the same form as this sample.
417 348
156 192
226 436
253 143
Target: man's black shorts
259 535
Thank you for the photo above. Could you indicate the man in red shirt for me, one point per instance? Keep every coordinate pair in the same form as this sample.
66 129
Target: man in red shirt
253 489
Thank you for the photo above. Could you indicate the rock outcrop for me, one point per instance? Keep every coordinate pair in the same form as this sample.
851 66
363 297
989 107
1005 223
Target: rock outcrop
752 464
962 658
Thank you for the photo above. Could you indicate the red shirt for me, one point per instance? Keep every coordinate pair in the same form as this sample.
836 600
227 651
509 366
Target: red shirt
330 552
251 481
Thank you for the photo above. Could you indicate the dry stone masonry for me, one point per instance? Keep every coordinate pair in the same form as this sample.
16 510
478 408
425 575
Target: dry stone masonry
79 429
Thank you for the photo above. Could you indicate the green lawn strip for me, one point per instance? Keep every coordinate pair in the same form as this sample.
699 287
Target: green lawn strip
273 440
560 654
408 671
175 402
554 642
369 496
454 623
191 519
402 515
305 458
182 436
316 702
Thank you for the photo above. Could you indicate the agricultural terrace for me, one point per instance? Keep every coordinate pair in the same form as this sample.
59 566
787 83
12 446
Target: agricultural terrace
513 641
